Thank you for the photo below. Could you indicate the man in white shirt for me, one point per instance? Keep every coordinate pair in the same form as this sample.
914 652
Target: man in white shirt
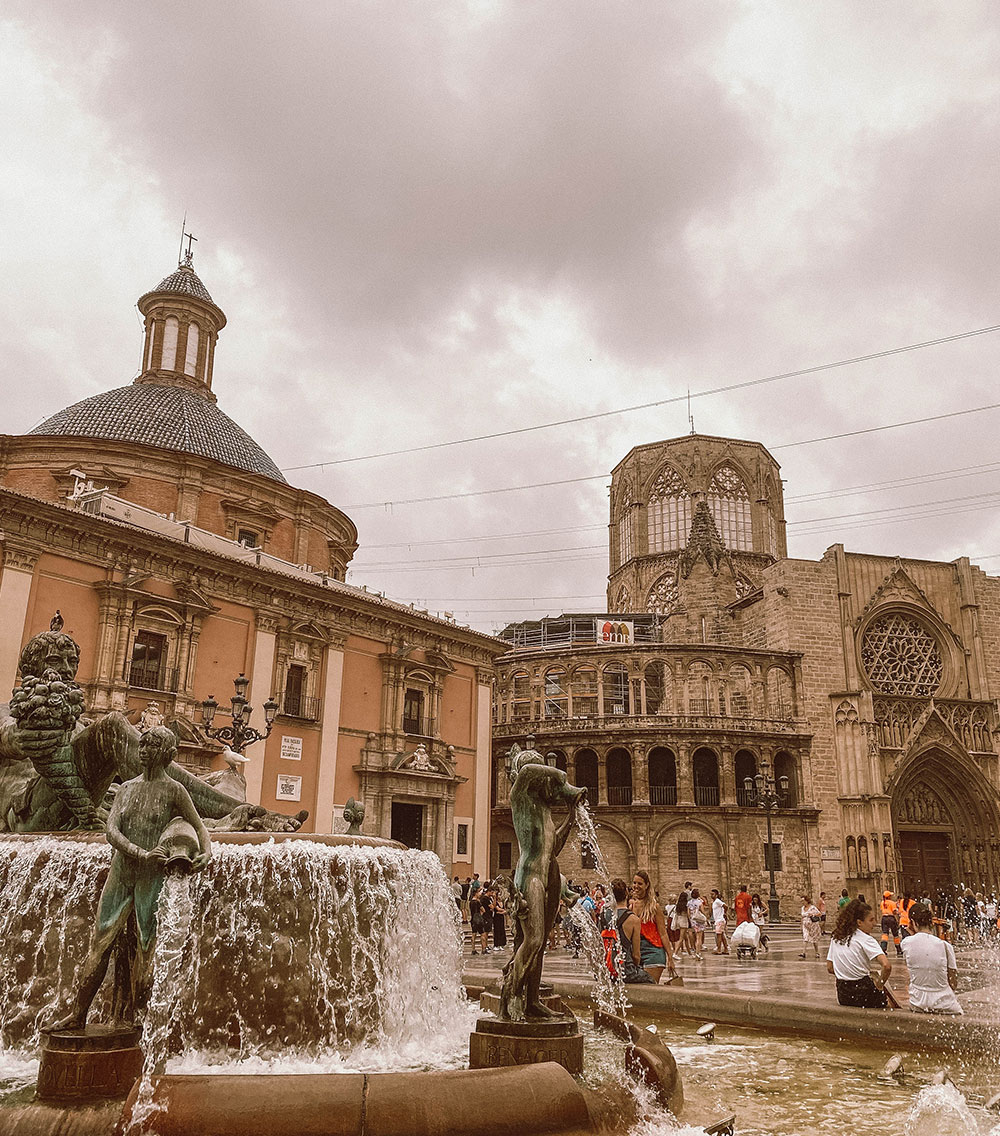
932 966
719 917
852 953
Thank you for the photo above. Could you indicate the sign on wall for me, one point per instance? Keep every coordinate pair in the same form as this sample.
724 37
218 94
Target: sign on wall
289 788
614 631
291 748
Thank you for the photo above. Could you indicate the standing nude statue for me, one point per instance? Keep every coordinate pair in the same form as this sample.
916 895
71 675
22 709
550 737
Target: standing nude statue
153 827
536 791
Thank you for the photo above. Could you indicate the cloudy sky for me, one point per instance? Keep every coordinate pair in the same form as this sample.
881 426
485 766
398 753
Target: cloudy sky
434 221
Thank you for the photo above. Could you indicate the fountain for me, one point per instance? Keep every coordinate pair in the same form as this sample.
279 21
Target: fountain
261 979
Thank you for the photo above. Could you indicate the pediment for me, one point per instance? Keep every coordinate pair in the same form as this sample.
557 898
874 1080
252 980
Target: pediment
898 588
930 730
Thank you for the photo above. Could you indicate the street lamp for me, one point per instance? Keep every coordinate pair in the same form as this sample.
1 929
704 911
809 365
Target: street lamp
240 734
763 792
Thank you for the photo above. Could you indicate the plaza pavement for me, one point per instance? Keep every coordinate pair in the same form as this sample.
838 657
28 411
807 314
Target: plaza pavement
779 991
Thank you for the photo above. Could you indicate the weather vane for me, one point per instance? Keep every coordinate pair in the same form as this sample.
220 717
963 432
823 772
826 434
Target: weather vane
182 256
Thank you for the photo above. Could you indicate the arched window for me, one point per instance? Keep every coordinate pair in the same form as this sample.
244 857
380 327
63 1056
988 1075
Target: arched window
623 601
785 766
616 692
668 512
705 766
779 694
520 708
168 353
746 767
699 689
583 690
556 698
740 693
661 599
586 773
619 765
657 701
626 523
662 776
729 502
852 857
191 354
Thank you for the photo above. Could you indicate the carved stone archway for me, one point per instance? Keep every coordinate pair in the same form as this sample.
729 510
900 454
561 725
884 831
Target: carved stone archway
946 823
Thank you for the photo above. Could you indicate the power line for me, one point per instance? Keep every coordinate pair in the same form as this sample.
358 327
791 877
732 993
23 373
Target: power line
687 396
389 505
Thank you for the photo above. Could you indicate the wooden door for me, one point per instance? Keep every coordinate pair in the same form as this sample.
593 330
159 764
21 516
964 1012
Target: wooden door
926 858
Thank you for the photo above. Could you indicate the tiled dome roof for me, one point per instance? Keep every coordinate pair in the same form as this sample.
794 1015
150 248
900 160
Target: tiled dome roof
185 281
169 417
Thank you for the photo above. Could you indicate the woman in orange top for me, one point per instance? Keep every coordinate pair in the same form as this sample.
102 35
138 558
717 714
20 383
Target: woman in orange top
656 951
903 908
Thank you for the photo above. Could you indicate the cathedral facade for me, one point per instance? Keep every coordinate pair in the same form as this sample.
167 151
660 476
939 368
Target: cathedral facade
180 560
859 690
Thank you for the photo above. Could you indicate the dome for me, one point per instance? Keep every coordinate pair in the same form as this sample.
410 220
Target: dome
169 417
183 281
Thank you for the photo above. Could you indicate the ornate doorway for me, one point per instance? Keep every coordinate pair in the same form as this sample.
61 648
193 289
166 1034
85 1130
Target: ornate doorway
946 821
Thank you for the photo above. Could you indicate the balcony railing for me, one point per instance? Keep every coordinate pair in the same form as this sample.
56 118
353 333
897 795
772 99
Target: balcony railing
663 794
299 706
706 795
745 798
619 794
147 677
578 724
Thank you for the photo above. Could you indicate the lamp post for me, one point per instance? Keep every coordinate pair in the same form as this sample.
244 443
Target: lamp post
240 734
763 792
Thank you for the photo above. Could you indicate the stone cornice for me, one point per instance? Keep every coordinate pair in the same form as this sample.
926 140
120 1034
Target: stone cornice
31 523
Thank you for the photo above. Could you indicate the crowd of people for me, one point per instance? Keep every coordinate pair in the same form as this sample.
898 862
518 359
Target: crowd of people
644 938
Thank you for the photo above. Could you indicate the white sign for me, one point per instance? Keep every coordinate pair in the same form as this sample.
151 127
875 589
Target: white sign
289 788
613 630
830 853
291 749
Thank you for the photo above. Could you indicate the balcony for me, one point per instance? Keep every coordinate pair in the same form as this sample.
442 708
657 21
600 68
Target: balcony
145 676
299 706
663 794
706 795
551 728
619 794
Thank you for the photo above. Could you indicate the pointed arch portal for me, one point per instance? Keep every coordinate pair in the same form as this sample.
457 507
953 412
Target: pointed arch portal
946 821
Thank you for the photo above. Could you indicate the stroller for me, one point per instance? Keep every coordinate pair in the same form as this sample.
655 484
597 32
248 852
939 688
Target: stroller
746 939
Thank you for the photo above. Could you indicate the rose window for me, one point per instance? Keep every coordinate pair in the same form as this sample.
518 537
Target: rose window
662 597
901 656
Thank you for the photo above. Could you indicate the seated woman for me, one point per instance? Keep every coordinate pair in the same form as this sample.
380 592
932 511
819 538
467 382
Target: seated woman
932 967
851 954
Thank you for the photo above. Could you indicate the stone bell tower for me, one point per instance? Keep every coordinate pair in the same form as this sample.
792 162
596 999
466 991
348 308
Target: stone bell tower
694 522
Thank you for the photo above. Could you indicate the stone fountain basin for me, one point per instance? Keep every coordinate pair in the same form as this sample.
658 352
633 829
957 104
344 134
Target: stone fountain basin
330 839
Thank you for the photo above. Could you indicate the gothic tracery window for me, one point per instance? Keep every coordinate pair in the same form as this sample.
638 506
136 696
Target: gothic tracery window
662 596
901 656
730 504
668 512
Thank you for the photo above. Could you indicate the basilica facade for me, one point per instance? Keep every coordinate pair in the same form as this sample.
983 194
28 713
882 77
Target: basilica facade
855 694
180 559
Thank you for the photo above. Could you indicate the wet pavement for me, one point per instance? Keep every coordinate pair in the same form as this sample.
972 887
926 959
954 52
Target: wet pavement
778 973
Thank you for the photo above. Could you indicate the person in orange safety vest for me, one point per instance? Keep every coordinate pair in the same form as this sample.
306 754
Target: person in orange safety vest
890 923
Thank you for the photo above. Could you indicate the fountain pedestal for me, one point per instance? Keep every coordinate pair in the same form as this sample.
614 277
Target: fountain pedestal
93 1063
497 1043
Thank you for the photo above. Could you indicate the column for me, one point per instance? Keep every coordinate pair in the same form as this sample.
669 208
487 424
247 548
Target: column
261 689
602 779
640 776
326 775
483 710
685 776
15 591
728 776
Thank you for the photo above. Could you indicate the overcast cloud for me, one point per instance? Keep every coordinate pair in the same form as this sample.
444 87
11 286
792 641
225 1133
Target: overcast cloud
429 221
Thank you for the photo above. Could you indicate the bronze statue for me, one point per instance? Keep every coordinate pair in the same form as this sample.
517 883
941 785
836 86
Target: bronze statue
536 791
354 814
56 767
153 828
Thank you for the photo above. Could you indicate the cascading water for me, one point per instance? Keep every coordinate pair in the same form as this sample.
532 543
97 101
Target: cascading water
294 951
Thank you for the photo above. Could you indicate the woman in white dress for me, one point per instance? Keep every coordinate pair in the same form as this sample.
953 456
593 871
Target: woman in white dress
699 921
932 966
812 926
